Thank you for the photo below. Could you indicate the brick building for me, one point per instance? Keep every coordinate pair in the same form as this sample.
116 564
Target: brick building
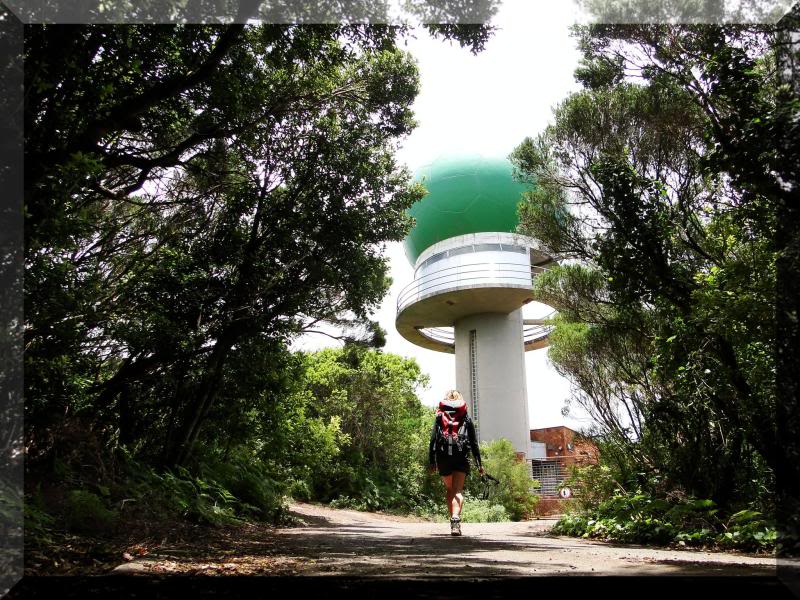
553 450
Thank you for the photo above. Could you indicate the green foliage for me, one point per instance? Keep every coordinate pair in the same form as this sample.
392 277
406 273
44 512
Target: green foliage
219 494
591 485
146 294
86 512
39 523
666 290
477 510
748 530
639 518
600 72
248 488
362 434
213 493
514 492
602 508
214 192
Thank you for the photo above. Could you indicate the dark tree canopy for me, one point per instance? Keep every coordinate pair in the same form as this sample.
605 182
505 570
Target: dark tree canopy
660 184
195 193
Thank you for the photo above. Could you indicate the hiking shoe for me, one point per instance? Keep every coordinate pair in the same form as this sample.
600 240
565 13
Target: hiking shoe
455 526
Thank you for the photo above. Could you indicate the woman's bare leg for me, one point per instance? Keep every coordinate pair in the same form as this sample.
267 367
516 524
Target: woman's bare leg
457 498
447 480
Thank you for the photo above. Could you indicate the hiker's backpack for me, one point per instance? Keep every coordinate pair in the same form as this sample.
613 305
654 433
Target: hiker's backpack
451 428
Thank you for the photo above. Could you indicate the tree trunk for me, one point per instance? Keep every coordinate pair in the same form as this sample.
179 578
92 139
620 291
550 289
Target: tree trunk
126 417
731 465
198 408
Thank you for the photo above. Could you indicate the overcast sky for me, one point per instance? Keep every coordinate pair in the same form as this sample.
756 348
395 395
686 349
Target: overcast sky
485 104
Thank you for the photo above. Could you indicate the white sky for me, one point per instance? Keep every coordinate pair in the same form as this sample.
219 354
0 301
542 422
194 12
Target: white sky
485 104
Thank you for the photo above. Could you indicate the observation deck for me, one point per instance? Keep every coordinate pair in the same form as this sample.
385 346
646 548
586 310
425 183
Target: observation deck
468 275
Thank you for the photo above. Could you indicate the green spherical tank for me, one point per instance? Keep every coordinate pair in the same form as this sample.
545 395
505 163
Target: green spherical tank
466 194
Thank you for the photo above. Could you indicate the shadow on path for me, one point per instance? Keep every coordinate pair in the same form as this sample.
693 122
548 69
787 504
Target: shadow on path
252 588
347 543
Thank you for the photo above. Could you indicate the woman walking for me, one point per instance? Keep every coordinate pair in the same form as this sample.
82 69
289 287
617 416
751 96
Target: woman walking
452 439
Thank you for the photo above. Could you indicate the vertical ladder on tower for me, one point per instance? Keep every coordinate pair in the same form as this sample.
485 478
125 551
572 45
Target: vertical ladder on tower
473 376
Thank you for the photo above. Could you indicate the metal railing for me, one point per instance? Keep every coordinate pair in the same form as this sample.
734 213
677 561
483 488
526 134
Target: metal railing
443 335
466 275
534 333
530 333
550 473
469 248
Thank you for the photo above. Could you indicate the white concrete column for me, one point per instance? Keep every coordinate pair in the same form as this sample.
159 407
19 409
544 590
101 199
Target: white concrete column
500 365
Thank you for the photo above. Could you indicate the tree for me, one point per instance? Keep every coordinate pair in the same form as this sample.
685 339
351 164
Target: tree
660 182
373 397
514 487
193 192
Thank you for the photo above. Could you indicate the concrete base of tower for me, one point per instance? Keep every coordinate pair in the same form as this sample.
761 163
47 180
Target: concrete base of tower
490 374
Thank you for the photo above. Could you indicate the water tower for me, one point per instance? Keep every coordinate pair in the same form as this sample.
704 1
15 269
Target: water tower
472 276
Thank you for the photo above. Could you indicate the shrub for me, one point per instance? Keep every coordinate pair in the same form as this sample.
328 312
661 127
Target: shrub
513 492
748 530
433 509
483 511
592 485
641 518
372 495
38 522
246 488
215 493
84 512
345 501
575 525
300 490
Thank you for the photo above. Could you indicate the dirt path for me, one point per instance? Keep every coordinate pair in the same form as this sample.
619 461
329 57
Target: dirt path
351 543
